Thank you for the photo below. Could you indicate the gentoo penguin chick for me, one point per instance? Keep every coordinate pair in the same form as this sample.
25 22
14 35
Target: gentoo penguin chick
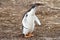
29 19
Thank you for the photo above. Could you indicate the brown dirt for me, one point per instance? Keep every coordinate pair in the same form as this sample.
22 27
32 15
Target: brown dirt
11 13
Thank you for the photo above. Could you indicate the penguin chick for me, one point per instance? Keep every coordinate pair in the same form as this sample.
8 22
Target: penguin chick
29 21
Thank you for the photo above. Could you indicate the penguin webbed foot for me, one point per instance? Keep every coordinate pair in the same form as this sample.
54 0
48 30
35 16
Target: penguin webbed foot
29 35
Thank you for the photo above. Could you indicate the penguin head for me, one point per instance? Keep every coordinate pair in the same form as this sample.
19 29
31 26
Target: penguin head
37 4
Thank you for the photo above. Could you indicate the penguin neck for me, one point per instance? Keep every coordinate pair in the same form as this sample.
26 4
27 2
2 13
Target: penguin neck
32 11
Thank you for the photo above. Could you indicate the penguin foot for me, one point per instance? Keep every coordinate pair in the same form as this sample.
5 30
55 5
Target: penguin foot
31 34
27 36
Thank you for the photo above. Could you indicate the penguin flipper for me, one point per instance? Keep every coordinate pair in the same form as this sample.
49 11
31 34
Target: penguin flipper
37 20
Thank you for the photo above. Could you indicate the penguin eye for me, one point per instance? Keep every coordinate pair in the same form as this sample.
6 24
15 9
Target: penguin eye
26 15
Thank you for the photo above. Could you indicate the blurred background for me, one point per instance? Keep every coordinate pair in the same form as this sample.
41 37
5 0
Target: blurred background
12 11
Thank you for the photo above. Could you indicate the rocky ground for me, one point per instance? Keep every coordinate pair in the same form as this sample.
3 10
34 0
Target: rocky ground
12 11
